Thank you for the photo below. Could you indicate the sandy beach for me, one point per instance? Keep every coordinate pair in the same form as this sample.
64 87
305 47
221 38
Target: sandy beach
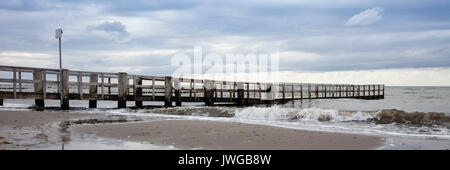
188 134
18 127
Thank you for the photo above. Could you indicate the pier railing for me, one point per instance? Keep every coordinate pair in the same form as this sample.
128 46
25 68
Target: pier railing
43 83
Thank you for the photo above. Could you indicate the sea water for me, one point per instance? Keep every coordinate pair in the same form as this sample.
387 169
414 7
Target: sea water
418 113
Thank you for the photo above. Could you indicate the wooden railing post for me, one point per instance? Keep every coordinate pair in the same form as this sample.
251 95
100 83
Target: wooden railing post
240 91
168 91
292 95
138 100
65 89
177 87
93 91
301 92
248 92
309 91
39 88
208 87
122 80
317 91
270 93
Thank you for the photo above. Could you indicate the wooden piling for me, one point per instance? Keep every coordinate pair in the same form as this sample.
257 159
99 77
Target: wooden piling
270 96
309 91
248 92
138 99
38 88
240 95
168 91
364 90
177 87
123 90
65 89
14 84
79 87
93 90
109 83
208 87
301 92
317 91
292 95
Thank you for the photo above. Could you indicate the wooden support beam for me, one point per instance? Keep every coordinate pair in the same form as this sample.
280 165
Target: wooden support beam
231 92
80 88
195 91
103 85
374 90
332 91
364 90
122 81
65 89
292 92
38 88
301 92
20 83
221 90
168 91
309 91
359 90
378 90
109 83
240 91
191 88
270 93
138 100
153 89
177 87
317 91
14 84
208 87
353 89
248 92
93 78
259 91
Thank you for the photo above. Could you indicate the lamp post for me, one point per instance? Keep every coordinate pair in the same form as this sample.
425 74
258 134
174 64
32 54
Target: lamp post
58 36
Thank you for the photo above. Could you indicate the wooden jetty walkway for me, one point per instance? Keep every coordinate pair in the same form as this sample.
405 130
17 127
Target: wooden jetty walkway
43 83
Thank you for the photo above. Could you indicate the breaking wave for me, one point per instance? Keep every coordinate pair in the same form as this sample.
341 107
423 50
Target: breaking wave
277 113
387 116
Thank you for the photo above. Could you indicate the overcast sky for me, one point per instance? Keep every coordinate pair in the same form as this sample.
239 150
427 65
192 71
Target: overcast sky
388 38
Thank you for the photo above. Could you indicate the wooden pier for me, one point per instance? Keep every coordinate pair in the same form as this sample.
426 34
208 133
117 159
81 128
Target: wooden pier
43 83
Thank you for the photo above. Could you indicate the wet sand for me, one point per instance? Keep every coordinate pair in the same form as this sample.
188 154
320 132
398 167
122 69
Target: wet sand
23 129
193 134
35 118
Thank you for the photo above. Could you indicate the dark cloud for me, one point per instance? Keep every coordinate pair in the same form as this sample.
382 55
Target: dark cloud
114 27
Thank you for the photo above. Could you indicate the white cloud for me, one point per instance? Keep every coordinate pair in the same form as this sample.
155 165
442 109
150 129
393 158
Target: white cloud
366 17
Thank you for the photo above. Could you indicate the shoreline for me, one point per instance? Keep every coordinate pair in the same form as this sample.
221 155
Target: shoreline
19 127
